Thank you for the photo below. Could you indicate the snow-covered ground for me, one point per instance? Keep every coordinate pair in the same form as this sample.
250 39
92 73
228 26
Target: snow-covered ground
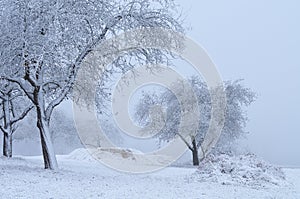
82 177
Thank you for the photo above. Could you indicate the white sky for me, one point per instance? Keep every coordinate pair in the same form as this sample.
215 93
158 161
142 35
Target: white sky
258 41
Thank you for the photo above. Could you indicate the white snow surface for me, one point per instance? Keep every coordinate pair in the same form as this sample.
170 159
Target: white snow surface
80 176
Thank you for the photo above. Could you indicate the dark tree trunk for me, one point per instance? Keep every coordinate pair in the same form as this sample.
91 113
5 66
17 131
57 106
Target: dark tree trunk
195 153
7 145
50 161
7 130
47 146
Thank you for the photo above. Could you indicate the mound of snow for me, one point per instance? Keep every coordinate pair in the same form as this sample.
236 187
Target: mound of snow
85 154
81 154
245 170
122 159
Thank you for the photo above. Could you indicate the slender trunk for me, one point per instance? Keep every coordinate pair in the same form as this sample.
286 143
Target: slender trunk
195 153
50 161
7 145
7 138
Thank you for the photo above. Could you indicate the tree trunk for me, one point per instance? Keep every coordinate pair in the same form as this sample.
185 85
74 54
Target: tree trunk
7 131
47 146
195 153
50 161
7 145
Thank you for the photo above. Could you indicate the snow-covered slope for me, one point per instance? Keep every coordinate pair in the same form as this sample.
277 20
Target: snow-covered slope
24 177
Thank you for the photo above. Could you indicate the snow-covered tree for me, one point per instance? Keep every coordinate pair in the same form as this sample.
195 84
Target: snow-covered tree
235 117
14 108
46 41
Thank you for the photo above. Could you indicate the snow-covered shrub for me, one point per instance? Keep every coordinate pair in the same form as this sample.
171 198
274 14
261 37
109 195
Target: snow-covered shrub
246 170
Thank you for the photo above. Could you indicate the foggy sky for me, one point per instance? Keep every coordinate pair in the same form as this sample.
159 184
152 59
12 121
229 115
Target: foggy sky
258 41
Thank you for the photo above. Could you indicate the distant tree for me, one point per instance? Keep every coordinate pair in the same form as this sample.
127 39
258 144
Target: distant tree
235 117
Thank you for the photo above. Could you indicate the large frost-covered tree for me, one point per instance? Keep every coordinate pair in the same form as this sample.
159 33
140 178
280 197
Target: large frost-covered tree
44 42
235 117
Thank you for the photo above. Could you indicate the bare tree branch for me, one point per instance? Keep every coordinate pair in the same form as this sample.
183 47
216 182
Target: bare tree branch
24 113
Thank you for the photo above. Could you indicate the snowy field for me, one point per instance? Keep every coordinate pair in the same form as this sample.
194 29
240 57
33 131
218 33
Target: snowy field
82 177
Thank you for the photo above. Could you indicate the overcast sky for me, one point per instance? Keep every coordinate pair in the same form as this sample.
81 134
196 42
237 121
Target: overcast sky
258 41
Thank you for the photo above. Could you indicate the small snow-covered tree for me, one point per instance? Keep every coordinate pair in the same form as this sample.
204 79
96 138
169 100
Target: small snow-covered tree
14 108
235 117
46 42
